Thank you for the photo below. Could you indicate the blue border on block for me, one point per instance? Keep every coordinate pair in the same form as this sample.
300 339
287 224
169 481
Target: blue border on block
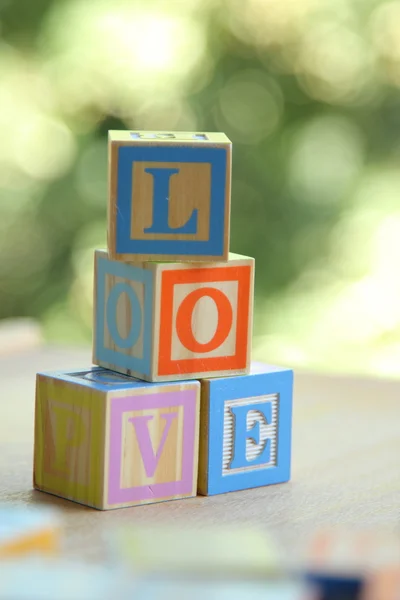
237 388
129 273
127 155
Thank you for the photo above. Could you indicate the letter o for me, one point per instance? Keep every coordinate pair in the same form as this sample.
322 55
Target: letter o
184 320
136 313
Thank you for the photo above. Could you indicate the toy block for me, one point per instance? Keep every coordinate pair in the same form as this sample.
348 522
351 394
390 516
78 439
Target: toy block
26 531
245 430
108 441
172 321
169 196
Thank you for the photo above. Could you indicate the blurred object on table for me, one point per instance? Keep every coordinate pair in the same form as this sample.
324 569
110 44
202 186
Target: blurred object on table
383 585
67 580
217 563
27 531
216 551
340 562
38 579
223 589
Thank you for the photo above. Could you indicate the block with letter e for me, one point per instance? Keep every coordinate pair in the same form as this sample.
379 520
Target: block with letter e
107 440
173 321
169 196
245 430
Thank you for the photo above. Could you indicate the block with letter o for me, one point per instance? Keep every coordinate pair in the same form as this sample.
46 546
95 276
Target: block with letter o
245 430
123 316
169 196
173 321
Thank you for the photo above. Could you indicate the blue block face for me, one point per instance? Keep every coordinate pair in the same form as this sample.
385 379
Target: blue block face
249 430
170 201
122 289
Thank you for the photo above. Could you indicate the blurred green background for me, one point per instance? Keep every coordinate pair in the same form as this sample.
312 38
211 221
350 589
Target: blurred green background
307 90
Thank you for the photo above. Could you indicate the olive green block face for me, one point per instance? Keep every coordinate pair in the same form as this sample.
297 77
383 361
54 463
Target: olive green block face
69 440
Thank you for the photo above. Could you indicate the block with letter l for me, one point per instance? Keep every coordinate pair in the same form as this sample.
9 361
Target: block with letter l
169 196
173 321
245 430
108 441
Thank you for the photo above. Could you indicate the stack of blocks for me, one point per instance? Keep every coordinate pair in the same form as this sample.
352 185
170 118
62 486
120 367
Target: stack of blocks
174 406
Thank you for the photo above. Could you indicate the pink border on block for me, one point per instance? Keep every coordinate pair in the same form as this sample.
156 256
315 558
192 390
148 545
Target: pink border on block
185 398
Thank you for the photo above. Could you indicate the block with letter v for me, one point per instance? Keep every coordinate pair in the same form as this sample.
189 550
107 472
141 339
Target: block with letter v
108 440
149 457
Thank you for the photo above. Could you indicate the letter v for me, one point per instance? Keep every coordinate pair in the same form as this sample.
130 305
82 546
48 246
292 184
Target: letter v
150 460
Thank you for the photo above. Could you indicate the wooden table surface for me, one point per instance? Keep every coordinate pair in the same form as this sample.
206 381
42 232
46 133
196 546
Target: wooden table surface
346 462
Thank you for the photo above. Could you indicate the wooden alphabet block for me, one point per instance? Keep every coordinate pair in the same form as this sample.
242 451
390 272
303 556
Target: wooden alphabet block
28 531
169 196
108 441
172 321
245 430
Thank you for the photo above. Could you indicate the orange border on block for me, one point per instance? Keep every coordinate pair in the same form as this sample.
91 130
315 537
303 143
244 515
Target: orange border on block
170 278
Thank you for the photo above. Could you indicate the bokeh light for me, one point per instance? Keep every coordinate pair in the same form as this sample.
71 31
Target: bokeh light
326 159
307 90
251 105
